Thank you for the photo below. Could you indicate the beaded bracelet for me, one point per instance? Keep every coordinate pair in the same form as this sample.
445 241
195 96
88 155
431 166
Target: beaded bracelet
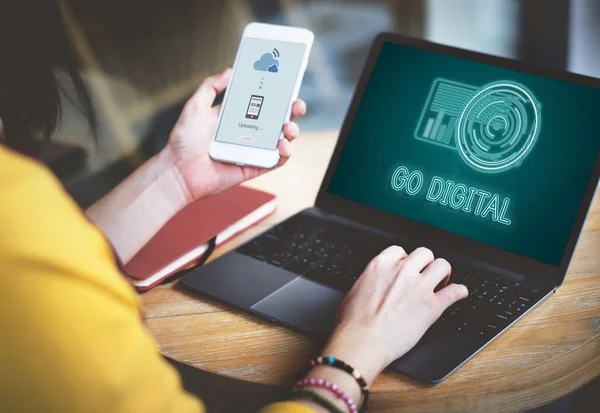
317 398
339 364
332 387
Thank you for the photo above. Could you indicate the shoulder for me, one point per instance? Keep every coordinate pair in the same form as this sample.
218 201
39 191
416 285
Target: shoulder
42 224
23 179
68 313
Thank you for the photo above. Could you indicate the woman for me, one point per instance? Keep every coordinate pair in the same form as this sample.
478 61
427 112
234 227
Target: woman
72 335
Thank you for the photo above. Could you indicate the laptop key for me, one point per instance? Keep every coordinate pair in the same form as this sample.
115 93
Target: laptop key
300 266
468 326
509 314
487 330
521 308
327 278
512 305
276 262
501 321
495 305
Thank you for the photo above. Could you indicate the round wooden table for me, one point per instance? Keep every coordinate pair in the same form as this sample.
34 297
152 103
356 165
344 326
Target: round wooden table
552 352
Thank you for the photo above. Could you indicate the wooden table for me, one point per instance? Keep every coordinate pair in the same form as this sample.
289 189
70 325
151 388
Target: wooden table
550 353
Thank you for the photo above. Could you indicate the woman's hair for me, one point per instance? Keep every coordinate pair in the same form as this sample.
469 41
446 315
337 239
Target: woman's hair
33 48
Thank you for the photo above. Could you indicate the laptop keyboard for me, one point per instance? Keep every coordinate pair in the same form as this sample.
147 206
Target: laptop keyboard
329 253
336 255
493 303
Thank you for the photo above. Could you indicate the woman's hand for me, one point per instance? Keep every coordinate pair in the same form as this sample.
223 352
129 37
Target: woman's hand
190 141
390 307
182 172
384 315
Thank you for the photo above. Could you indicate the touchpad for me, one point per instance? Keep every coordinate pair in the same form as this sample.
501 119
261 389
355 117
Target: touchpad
303 304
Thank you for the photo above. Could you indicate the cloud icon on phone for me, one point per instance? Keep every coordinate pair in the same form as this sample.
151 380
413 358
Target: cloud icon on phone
267 63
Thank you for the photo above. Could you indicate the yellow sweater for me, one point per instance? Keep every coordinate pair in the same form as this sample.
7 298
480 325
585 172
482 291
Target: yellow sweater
72 337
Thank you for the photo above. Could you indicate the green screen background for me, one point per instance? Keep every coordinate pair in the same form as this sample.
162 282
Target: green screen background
545 190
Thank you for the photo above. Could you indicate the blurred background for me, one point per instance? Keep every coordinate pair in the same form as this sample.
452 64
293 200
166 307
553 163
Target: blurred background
143 58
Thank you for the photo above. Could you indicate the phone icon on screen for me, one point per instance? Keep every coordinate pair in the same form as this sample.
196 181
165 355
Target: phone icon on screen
254 106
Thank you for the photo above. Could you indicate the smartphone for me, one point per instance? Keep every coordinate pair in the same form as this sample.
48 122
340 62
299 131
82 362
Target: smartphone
267 73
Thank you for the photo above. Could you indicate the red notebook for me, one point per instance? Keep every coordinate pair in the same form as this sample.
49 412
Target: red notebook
185 238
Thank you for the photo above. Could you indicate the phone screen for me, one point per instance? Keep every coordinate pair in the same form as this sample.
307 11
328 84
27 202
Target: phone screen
260 92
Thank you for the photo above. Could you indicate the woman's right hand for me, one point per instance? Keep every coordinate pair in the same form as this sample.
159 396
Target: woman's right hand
390 307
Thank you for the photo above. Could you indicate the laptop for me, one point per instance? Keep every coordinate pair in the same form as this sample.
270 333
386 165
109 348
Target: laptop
491 163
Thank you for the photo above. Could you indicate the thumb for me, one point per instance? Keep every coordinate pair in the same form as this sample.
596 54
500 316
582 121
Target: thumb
211 87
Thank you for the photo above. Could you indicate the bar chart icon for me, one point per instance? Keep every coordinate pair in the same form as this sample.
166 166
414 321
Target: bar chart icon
445 103
493 127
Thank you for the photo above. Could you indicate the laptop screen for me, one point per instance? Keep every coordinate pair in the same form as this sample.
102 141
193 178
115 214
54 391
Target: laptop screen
489 153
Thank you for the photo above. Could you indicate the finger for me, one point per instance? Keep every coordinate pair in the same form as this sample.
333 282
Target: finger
291 131
419 258
381 271
394 252
211 87
436 273
285 150
215 110
250 172
385 265
298 109
451 294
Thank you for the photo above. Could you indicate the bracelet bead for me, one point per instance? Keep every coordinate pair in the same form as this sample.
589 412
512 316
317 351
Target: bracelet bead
317 398
339 364
332 387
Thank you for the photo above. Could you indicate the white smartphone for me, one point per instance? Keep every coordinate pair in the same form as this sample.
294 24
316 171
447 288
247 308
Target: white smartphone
267 74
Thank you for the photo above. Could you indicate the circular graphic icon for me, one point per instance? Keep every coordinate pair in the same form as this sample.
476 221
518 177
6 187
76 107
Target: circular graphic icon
498 127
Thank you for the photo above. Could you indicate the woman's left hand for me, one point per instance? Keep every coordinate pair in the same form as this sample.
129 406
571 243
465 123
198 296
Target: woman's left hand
190 139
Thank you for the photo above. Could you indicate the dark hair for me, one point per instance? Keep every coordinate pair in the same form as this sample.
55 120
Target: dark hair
33 47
